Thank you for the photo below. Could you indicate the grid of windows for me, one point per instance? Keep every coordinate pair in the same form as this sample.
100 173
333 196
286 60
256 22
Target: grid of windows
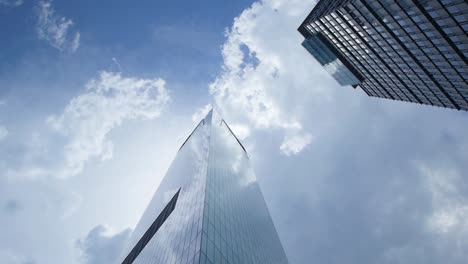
220 216
152 230
237 228
178 240
409 50
324 52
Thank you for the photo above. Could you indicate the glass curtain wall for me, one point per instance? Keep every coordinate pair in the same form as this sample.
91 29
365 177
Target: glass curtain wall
219 216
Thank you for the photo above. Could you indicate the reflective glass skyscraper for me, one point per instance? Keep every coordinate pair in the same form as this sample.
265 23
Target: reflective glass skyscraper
208 208
408 50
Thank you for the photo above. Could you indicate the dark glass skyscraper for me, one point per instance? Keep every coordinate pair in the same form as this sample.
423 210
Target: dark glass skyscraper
208 208
408 50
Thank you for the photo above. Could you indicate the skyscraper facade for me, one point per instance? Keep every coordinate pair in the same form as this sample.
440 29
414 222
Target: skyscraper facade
407 50
208 208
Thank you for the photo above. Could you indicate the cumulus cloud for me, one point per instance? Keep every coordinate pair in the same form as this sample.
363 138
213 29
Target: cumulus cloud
3 133
240 130
80 132
56 29
295 144
109 101
102 246
200 113
359 196
12 3
260 78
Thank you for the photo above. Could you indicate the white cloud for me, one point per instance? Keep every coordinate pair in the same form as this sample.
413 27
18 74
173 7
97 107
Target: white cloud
80 132
3 133
450 205
101 245
109 101
241 131
295 143
262 82
200 113
56 28
270 82
13 3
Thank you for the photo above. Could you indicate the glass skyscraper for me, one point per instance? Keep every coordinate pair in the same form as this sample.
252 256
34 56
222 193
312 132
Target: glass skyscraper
407 50
208 208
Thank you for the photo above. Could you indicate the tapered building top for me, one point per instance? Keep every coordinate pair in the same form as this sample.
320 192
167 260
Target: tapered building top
208 208
411 50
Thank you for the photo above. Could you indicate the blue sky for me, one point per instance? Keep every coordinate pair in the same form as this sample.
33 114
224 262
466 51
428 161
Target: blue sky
97 97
